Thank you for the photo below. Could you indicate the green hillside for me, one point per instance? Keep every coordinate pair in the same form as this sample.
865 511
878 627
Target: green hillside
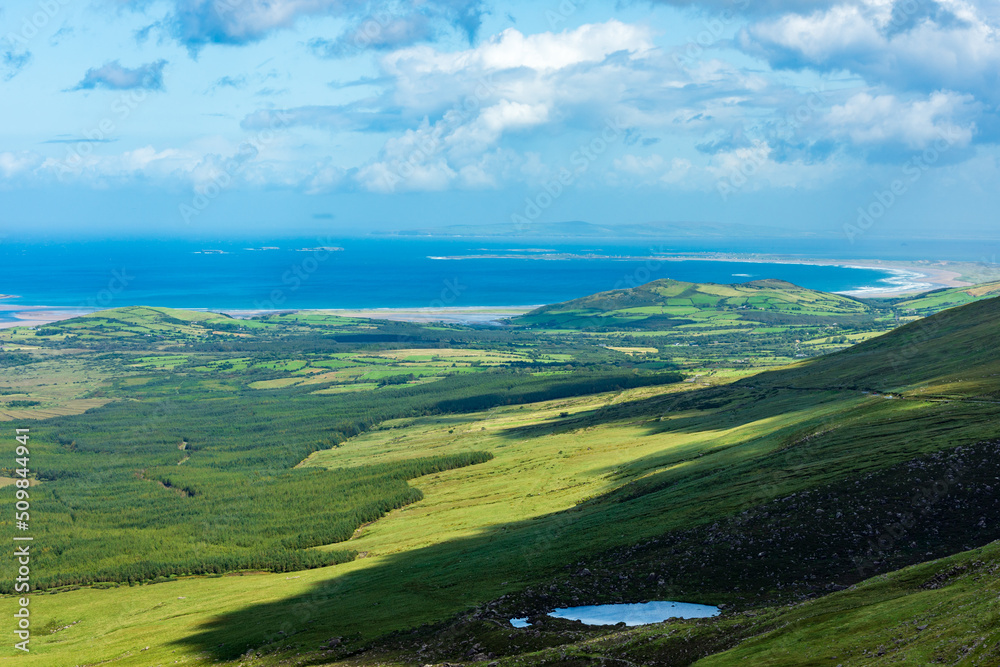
663 304
944 611
952 354
932 302
553 480
133 324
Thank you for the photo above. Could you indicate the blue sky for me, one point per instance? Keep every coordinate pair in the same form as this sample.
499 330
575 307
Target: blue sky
854 118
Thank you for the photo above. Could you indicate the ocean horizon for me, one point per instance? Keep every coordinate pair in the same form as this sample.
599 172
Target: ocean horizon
364 273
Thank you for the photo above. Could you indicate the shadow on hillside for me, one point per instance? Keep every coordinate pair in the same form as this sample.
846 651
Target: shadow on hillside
436 583
429 584
439 581
710 408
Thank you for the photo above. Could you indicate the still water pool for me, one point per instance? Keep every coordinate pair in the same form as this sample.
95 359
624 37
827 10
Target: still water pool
630 614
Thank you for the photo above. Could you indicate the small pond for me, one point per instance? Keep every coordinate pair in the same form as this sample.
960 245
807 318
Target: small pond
641 613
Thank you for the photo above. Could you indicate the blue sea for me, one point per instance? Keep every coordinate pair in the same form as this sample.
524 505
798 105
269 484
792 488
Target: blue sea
403 272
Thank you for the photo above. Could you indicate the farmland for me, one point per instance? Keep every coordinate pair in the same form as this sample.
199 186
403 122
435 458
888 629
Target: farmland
266 485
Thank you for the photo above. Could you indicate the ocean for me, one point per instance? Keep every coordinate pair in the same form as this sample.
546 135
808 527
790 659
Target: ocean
398 272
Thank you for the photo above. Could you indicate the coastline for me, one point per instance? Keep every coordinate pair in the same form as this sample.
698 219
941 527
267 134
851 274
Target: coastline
912 277
447 314
32 316
903 278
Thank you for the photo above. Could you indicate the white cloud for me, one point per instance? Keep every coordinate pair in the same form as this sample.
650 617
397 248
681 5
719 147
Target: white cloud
921 45
881 119
511 49
12 164
112 75
527 69
508 84
487 128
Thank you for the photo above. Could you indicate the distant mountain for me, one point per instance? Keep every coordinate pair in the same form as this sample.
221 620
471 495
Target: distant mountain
667 303
579 229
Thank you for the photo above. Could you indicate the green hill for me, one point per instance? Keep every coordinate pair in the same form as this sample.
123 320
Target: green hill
778 496
937 300
788 486
136 324
951 354
667 303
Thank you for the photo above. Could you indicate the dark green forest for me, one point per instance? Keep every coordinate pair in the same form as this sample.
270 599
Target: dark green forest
180 479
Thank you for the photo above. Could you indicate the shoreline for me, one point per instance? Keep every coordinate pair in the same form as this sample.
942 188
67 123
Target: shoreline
907 277
903 278
448 314
33 316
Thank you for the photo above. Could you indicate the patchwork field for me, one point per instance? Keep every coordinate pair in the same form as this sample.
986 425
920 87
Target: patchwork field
329 491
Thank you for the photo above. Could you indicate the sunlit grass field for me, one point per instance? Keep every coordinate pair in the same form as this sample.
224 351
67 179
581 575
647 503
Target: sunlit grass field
569 478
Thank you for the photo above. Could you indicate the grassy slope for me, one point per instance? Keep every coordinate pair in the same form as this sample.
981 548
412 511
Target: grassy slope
665 303
932 302
950 355
456 507
944 611
718 439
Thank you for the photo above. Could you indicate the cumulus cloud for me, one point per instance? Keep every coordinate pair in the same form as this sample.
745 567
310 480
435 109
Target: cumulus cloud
12 164
514 107
885 119
470 110
373 25
510 80
111 168
114 76
509 84
923 45
512 49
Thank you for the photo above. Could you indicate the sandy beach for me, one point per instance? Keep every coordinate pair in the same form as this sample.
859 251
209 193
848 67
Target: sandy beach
906 277
902 278
453 315
32 316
